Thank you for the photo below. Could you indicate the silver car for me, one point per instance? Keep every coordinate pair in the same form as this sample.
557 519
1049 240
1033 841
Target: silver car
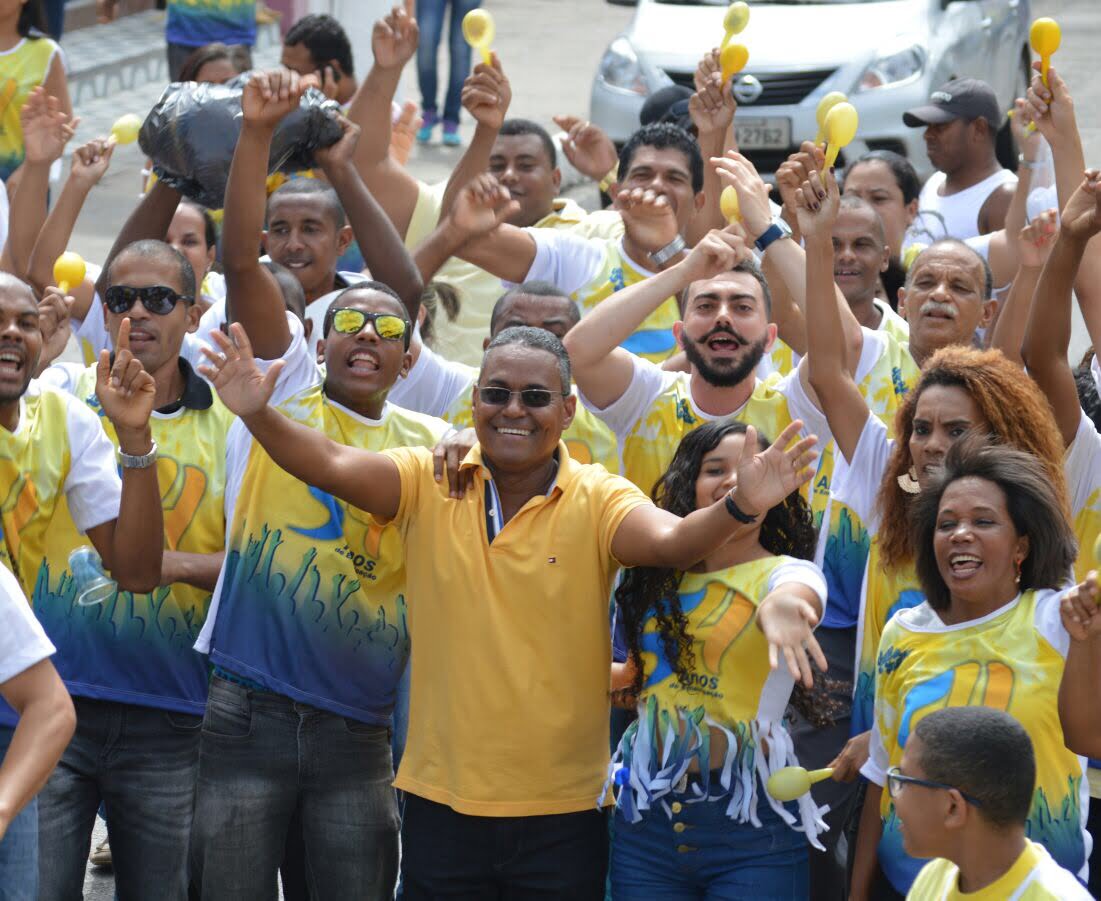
886 55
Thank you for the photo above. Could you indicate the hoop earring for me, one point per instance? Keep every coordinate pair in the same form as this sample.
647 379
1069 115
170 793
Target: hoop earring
908 481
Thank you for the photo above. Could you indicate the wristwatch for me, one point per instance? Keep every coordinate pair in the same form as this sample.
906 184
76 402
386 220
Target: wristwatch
138 461
779 229
670 250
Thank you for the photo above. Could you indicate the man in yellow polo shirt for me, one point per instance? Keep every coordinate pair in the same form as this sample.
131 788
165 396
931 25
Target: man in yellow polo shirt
508 734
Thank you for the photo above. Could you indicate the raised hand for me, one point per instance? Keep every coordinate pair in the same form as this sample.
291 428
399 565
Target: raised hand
589 150
712 107
481 206
816 204
788 622
269 96
1052 108
46 127
1081 219
90 161
487 94
394 38
765 478
342 153
125 390
647 218
709 66
233 372
796 169
720 250
1028 139
404 131
1037 239
1079 611
736 169
56 325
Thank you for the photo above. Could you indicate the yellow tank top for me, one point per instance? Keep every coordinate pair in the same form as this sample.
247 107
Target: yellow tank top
22 69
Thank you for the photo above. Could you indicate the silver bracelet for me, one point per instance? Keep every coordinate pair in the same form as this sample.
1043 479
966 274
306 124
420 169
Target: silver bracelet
138 461
1030 164
670 250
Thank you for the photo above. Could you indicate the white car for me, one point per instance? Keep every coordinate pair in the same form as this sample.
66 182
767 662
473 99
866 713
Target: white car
886 55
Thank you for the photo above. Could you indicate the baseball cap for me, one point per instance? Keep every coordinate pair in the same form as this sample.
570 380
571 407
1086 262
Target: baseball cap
669 104
961 98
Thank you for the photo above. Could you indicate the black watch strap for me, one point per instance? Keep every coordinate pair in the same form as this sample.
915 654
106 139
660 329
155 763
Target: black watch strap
734 510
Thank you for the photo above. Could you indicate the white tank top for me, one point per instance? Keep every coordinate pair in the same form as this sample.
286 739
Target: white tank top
955 215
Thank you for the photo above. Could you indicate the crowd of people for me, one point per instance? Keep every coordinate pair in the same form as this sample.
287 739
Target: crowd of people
462 542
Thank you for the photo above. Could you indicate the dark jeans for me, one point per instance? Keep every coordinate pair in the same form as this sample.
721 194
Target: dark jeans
263 757
142 763
452 855
430 15
19 849
177 56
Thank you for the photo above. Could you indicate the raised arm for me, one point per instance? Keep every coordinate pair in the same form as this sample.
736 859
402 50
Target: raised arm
1081 682
150 219
712 109
393 44
383 250
253 296
1047 338
131 546
838 395
363 479
650 536
1033 247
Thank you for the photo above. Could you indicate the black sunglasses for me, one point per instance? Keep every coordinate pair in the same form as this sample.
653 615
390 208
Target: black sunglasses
895 781
157 299
530 397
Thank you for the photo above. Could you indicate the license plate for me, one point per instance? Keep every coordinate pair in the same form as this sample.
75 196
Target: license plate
773 133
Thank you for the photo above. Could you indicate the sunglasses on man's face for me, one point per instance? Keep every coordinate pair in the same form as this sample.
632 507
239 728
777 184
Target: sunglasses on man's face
530 397
352 322
157 299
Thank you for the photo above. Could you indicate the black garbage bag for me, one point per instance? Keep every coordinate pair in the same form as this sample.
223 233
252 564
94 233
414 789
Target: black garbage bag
193 130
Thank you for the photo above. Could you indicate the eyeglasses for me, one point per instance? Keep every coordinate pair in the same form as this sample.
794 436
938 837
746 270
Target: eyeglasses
351 322
896 780
157 299
530 397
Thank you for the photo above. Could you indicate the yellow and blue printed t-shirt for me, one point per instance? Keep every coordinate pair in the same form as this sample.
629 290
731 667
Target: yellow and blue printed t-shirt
844 542
139 648
311 602
22 68
883 591
731 691
1034 876
1082 465
1011 660
194 23
590 270
509 697
478 290
58 478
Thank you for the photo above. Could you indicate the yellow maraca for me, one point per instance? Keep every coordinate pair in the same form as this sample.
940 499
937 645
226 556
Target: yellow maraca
479 32
732 59
126 128
1045 37
735 21
824 106
69 270
793 782
841 124
728 203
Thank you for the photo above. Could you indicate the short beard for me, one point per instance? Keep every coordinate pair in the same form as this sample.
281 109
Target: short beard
724 377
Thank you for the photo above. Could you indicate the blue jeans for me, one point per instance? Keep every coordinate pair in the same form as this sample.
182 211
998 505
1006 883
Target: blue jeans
430 14
263 757
712 857
141 762
19 849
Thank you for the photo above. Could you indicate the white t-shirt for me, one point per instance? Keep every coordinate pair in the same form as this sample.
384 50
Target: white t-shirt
1082 465
432 385
856 482
23 642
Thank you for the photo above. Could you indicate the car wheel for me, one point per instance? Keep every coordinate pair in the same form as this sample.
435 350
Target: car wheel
1005 145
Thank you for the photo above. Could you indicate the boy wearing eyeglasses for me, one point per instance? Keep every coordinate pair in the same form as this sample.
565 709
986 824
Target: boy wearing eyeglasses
308 631
962 792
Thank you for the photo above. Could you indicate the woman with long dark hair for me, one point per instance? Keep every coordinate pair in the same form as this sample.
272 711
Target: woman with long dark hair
704 659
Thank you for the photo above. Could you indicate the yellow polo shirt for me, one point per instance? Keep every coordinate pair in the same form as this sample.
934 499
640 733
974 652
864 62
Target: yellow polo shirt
511 648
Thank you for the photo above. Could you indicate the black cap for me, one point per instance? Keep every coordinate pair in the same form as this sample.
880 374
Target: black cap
670 104
961 98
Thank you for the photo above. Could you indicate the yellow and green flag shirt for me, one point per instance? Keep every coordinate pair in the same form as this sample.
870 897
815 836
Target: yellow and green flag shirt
1011 660
1034 876
731 689
311 602
138 648
22 68
1083 471
58 478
